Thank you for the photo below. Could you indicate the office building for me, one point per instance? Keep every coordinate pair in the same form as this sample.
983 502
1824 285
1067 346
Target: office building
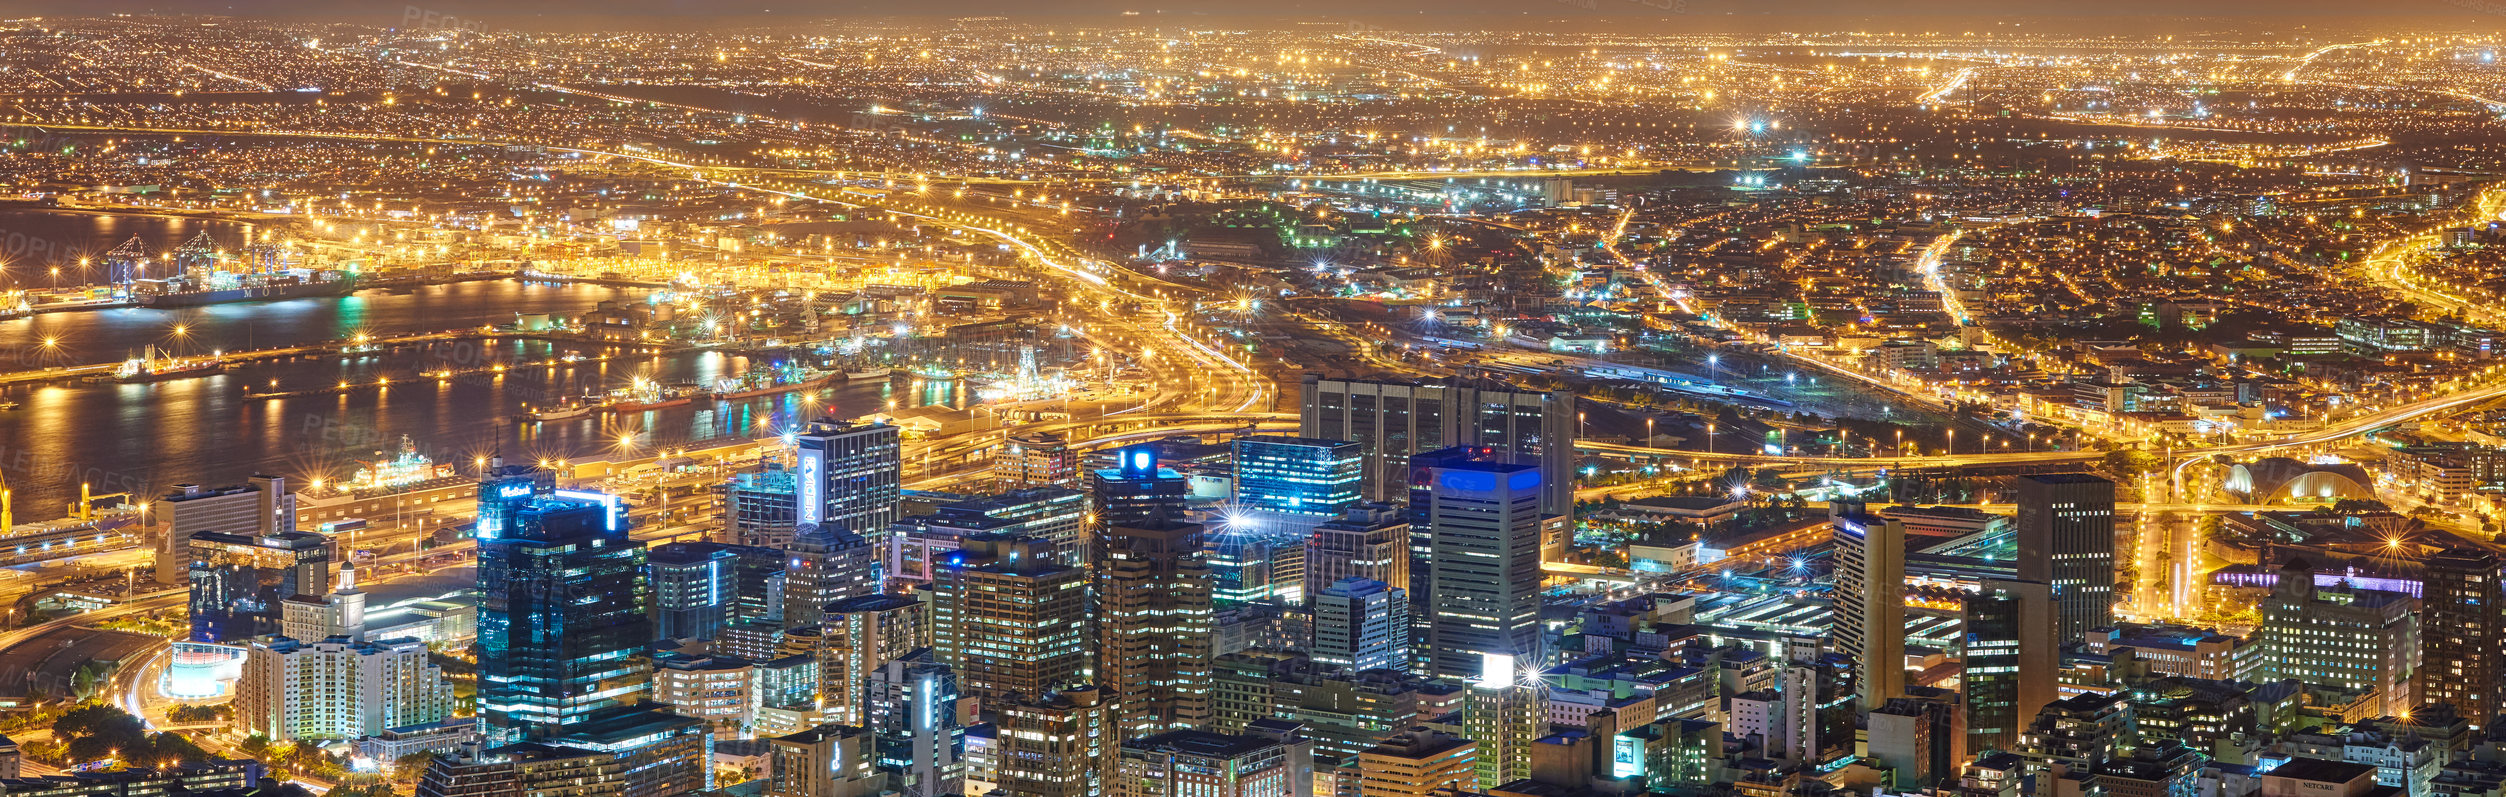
621 751
240 582
912 710
1481 522
2462 632
505 489
1392 421
1370 541
1870 601
764 507
2011 661
260 507
562 620
698 588
1362 624
2076 734
826 564
1920 739
1197 763
1052 513
1136 489
1292 483
826 761
1009 619
2356 639
1418 763
1506 711
848 476
1253 565
2065 533
1057 743
1039 459
860 635
721 691
1153 626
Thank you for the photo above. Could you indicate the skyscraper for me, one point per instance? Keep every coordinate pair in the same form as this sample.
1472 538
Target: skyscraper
2010 661
1010 619
848 476
1136 489
1418 763
2066 541
1370 541
700 587
1362 624
1198 763
912 708
2462 633
764 507
1871 603
1292 483
826 564
1154 625
1040 459
562 621
1391 421
858 636
1481 520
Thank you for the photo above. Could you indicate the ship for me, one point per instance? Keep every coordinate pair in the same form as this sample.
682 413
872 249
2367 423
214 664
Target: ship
251 288
567 410
769 383
155 367
643 394
870 372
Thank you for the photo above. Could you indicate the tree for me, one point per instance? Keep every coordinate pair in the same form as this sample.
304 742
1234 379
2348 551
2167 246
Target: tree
410 767
2132 462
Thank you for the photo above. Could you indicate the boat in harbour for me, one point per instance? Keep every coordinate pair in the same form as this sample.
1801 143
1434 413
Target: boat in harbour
153 366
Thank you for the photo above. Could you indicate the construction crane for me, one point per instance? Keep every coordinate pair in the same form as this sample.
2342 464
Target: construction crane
85 507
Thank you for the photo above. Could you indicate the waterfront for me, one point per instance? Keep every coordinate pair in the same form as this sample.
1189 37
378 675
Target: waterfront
143 438
33 240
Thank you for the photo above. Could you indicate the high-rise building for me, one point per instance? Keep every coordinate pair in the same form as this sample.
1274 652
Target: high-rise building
641 751
719 690
2462 630
2357 639
1198 763
2010 659
339 687
1009 619
859 635
1391 421
1362 624
1418 763
764 507
1505 713
240 582
825 761
1254 565
309 618
912 709
1370 541
1039 459
1292 483
2065 533
260 507
826 564
1482 523
1920 739
849 477
1058 514
1136 489
505 489
1871 603
700 587
1056 744
562 622
1154 625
